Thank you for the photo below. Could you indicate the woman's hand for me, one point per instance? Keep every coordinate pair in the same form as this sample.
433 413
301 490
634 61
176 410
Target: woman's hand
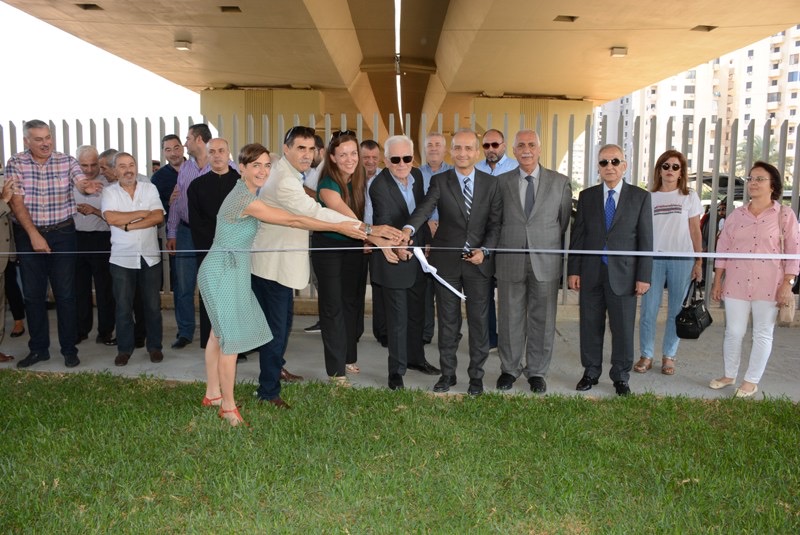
784 295
716 289
351 229
697 271
388 232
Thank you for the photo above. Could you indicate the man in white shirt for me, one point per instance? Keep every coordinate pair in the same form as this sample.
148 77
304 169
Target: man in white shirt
133 210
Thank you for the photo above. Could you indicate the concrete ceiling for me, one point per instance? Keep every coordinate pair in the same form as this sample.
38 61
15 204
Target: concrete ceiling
451 50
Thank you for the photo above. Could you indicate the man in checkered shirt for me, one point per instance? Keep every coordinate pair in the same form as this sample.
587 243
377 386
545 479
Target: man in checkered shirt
44 232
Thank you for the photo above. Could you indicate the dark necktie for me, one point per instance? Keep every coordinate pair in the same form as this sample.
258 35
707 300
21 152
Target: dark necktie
529 196
611 208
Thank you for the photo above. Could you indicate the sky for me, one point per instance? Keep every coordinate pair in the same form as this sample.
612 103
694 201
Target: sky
78 81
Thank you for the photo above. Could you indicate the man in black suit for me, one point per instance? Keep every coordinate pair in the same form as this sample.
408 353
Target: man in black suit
394 194
470 212
613 216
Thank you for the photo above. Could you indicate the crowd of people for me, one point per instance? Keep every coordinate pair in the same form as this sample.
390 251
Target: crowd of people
490 224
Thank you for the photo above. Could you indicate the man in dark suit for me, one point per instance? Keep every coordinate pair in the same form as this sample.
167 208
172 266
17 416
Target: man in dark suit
613 216
536 211
394 194
470 210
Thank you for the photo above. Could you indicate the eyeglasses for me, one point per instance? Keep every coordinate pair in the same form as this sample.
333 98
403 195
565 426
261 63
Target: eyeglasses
675 167
756 178
493 144
298 131
396 159
338 133
615 162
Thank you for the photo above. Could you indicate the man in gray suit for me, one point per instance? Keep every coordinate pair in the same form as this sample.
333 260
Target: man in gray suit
536 210
613 216
469 226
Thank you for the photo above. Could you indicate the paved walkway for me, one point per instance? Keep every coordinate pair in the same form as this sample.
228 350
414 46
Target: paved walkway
698 361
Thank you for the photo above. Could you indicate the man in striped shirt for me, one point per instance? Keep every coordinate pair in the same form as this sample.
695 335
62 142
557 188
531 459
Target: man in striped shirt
45 235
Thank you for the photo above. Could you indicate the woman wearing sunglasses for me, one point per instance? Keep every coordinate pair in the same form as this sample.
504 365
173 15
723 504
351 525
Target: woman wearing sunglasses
756 286
676 229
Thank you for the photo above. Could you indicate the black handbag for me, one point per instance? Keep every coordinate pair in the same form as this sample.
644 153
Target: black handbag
694 317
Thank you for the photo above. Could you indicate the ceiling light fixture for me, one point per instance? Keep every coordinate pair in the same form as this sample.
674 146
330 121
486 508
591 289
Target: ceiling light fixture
619 51
183 45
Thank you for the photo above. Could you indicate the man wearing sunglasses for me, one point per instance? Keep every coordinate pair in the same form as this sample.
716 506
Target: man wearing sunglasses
494 148
612 216
536 211
470 211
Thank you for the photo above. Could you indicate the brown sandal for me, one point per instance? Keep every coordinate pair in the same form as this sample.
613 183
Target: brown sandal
643 365
667 366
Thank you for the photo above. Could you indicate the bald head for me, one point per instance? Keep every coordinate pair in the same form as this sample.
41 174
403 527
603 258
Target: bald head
218 155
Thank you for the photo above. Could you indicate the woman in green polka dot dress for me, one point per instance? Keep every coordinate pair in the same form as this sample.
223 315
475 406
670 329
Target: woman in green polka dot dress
237 321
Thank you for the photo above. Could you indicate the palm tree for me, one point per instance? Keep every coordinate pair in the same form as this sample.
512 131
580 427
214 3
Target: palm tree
758 146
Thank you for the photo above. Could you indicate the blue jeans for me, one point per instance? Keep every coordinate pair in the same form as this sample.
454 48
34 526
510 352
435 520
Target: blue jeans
277 302
676 273
58 268
126 282
185 282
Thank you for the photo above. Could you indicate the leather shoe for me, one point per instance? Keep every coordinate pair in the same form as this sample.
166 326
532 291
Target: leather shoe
5 358
622 388
17 334
444 383
180 342
396 382
426 367
288 377
156 355
32 359
505 381
585 383
538 385
106 339
475 387
277 402
70 361
121 359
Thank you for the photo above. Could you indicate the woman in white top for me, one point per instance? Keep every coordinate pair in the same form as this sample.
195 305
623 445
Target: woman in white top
676 229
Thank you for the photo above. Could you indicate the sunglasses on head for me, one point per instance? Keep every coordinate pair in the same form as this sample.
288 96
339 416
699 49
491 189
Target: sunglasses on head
298 131
338 133
675 167
615 162
396 159
493 144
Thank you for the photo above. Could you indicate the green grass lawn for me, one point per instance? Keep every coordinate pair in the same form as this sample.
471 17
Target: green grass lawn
101 454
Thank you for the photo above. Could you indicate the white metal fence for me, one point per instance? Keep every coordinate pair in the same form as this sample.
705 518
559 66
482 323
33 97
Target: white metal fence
570 144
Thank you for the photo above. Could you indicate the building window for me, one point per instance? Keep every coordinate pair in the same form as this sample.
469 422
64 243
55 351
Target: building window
794 76
653 90
771 116
691 75
750 69
773 82
792 129
776 49
748 86
794 94
773 97
673 103
750 54
747 101
688 90
775 65
793 112
688 104
747 117
794 59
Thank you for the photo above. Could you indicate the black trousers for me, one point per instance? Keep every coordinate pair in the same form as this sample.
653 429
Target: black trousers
92 264
404 310
339 274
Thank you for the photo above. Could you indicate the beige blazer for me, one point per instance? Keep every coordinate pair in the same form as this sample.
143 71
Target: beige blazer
287 264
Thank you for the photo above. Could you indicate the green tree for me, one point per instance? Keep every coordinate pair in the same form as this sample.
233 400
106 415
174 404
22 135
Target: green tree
758 151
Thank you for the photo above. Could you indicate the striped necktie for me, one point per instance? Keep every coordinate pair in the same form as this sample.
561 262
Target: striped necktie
468 195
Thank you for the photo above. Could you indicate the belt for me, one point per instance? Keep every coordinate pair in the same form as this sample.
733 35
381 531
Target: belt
50 228
185 224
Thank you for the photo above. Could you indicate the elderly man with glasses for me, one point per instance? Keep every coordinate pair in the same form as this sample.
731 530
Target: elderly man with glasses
612 216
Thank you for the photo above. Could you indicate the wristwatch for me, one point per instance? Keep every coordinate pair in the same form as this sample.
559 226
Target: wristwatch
792 281
486 252
367 229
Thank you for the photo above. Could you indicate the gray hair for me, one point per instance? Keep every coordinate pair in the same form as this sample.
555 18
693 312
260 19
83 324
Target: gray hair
394 140
85 149
608 146
434 134
119 155
108 155
33 123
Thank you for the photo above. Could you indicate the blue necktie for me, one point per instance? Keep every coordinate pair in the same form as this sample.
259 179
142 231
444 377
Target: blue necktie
611 208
